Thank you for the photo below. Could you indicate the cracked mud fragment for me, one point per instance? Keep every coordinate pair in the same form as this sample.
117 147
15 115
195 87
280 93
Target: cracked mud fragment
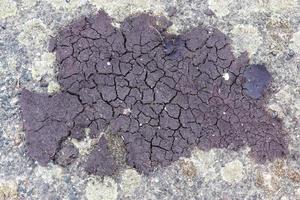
163 94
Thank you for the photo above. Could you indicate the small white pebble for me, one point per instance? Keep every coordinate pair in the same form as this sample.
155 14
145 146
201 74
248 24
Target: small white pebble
226 76
108 63
156 180
126 111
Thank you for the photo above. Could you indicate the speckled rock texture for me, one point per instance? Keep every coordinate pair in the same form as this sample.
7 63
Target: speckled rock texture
180 91
268 30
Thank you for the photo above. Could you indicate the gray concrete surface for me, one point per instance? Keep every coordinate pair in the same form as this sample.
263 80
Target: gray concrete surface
269 30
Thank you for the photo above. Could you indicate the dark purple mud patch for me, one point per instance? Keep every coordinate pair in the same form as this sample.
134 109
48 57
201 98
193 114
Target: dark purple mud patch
101 161
163 94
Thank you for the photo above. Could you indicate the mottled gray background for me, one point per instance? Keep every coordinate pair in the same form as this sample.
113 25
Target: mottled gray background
268 29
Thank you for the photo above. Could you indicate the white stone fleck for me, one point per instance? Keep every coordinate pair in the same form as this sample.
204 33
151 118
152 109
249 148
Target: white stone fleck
226 76
126 111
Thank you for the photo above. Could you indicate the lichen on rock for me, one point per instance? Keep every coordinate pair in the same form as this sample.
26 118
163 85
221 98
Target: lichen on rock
8 190
246 37
107 189
130 180
233 171
34 34
8 8
43 66
173 85
221 8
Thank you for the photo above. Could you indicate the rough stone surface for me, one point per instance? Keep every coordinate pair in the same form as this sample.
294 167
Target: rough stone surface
174 87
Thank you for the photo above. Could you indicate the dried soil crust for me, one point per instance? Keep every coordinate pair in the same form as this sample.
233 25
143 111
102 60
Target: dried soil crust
163 94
